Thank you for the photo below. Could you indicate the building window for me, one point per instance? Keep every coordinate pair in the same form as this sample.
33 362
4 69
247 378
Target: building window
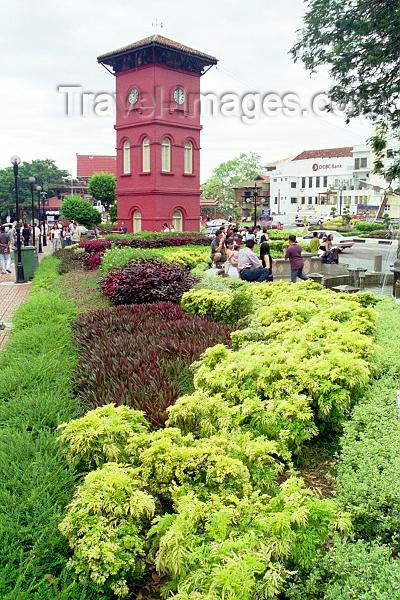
137 221
316 199
303 200
317 181
310 182
325 181
309 199
276 200
364 162
146 155
303 182
177 220
293 200
188 159
166 155
293 184
126 167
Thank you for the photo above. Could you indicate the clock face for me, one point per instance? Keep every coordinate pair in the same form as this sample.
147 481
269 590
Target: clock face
179 95
133 96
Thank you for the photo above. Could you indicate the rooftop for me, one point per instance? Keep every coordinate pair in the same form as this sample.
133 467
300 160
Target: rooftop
347 151
157 49
88 164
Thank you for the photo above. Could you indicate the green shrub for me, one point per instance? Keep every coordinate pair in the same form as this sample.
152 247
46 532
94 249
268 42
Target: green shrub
104 526
351 570
366 226
219 306
101 435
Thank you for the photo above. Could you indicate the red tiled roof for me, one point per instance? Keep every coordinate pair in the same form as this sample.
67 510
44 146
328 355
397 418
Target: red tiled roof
326 153
158 40
208 202
88 164
53 203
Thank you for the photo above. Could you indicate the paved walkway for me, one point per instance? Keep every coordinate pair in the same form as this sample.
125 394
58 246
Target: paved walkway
11 296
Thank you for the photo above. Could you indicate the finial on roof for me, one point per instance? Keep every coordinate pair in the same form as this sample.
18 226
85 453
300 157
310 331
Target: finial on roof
157 24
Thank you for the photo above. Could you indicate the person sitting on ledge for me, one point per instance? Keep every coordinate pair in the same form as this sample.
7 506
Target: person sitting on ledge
249 266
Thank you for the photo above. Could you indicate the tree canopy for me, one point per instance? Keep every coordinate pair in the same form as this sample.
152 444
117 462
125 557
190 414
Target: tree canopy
75 208
242 169
47 174
102 187
359 41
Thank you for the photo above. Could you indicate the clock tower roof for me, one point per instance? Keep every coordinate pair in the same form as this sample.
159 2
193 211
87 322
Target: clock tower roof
157 49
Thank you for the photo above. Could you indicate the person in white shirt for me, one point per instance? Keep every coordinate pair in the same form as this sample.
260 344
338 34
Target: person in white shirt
249 266
55 238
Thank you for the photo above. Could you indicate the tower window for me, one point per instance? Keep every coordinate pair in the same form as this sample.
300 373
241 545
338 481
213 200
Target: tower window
126 167
166 155
177 220
137 221
146 155
188 162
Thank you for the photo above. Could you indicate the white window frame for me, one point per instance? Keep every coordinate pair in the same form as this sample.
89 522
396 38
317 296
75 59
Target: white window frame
126 157
188 158
146 161
166 155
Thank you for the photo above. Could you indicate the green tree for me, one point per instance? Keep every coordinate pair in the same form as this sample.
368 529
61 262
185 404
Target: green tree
113 213
75 208
102 187
242 169
47 174
358 40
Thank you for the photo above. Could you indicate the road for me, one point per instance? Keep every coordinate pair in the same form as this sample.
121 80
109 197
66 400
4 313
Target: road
362 255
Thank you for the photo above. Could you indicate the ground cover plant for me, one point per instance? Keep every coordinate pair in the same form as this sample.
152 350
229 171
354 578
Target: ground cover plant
227 517
145 281
140 355
36 481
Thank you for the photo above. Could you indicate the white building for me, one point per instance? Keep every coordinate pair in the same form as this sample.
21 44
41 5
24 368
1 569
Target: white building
314 181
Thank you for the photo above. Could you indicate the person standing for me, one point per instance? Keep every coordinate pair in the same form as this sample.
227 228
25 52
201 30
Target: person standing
55 238
249 266
26 234
5 257
293 255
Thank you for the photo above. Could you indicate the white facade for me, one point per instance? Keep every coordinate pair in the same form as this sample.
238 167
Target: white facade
320 180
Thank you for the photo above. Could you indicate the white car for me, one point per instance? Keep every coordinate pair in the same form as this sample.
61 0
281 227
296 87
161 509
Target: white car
217 222
338 239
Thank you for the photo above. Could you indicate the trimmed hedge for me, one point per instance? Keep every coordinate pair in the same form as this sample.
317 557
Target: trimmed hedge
36 482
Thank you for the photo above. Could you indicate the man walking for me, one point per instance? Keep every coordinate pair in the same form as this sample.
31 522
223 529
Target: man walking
293 255
249 266
5 258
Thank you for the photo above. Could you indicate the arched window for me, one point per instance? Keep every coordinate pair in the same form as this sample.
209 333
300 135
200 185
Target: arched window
166 155
188 158
177 220
126 159
146 155
137 221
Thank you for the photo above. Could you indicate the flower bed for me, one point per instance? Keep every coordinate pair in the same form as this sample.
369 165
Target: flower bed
139 355
146 281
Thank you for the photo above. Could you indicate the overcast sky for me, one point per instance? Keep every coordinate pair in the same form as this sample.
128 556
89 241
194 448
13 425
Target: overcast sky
49 43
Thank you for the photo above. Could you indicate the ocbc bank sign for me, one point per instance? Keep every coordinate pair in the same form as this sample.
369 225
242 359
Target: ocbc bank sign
325 167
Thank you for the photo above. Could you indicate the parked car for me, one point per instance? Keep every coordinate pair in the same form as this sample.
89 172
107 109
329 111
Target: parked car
217 222
338 239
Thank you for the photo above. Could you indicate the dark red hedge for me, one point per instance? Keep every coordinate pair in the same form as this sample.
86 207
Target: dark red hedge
146 280
95 245
162 242
140 355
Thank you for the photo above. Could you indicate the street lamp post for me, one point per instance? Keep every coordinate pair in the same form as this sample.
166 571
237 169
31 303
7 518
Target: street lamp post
32 180
39 189
255 197
43 196
15 161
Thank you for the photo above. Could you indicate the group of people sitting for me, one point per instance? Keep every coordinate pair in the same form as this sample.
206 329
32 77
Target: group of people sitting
323 244
234 261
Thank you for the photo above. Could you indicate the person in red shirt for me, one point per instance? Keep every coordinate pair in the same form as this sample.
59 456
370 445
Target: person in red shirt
293 255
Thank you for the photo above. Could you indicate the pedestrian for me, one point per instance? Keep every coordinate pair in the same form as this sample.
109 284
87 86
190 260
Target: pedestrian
26 234
293 255
123 228
265 256
218 254
37 237
249 266
5 249
55 238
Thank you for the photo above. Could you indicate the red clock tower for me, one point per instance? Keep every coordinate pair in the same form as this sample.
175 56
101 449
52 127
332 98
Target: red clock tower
158 133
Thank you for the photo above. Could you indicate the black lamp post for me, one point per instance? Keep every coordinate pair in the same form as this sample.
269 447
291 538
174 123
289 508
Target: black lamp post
43 196
39 189
32 180
15 161
255 197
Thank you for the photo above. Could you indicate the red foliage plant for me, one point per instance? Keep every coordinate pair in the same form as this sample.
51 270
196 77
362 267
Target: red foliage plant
92 260
147 280
163 242
95 245
140 355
